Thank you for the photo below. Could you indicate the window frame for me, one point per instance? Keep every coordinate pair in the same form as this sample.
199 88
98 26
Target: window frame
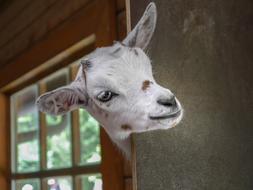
44 172
99 16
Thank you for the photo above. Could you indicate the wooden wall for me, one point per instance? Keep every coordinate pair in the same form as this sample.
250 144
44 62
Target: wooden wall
3 142
23 24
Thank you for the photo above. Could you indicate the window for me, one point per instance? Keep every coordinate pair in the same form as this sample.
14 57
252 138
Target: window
53 152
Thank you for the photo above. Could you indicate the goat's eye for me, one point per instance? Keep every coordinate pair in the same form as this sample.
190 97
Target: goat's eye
106 96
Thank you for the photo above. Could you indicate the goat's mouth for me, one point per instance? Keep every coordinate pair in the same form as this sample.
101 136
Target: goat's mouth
166 116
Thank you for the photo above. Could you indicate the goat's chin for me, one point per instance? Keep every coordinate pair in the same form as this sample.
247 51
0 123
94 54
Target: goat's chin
174 122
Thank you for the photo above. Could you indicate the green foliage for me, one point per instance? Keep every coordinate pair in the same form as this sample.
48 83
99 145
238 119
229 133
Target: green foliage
88 181
53 120
89 138
31 182
27 122
59 145
28 160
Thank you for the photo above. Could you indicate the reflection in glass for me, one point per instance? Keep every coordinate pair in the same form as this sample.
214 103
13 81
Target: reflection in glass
28 184
59 183
90 182
58 128
25 132
89 139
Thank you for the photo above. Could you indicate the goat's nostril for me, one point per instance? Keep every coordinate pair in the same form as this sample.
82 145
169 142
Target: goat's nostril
169 102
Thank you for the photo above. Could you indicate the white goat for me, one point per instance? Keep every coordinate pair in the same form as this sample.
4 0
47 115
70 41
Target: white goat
116 86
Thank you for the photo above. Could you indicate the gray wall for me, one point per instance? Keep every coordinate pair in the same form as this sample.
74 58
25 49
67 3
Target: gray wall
203 51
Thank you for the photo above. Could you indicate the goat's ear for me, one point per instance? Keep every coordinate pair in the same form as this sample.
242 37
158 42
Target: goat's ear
62 100
142 33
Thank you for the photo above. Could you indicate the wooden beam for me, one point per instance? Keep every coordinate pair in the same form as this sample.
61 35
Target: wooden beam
77 170
30 26
75 129
42 133
98 18
93 19
58 61
134 169
4 145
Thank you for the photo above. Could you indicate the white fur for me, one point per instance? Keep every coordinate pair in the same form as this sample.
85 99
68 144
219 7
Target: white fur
122 69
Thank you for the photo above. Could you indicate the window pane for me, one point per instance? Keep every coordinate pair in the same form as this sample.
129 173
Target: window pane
59 183
58 129
29 184
89 139
90 182
25 133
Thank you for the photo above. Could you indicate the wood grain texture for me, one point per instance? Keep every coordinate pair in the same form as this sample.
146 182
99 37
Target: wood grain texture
128 184
121 5
31 26
93 15
54 32
11 11
4 146
112 166
121 25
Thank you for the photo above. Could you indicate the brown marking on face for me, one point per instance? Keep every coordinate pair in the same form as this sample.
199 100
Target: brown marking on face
126 127
106 115
146 84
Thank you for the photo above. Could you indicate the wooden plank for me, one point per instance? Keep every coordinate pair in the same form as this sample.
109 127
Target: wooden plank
112 164
128 184
121 25
106 30
127 169
11 11
43 133
59 172
76 151
121 5
38 28
4 163
134 167
128 16
94 16
60 60
27 16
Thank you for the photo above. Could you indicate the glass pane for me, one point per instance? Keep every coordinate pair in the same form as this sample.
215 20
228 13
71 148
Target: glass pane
89 139
29 184
58 129
90 182
59 183
25 133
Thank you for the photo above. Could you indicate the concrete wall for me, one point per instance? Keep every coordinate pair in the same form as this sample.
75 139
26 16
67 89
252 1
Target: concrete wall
203 51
